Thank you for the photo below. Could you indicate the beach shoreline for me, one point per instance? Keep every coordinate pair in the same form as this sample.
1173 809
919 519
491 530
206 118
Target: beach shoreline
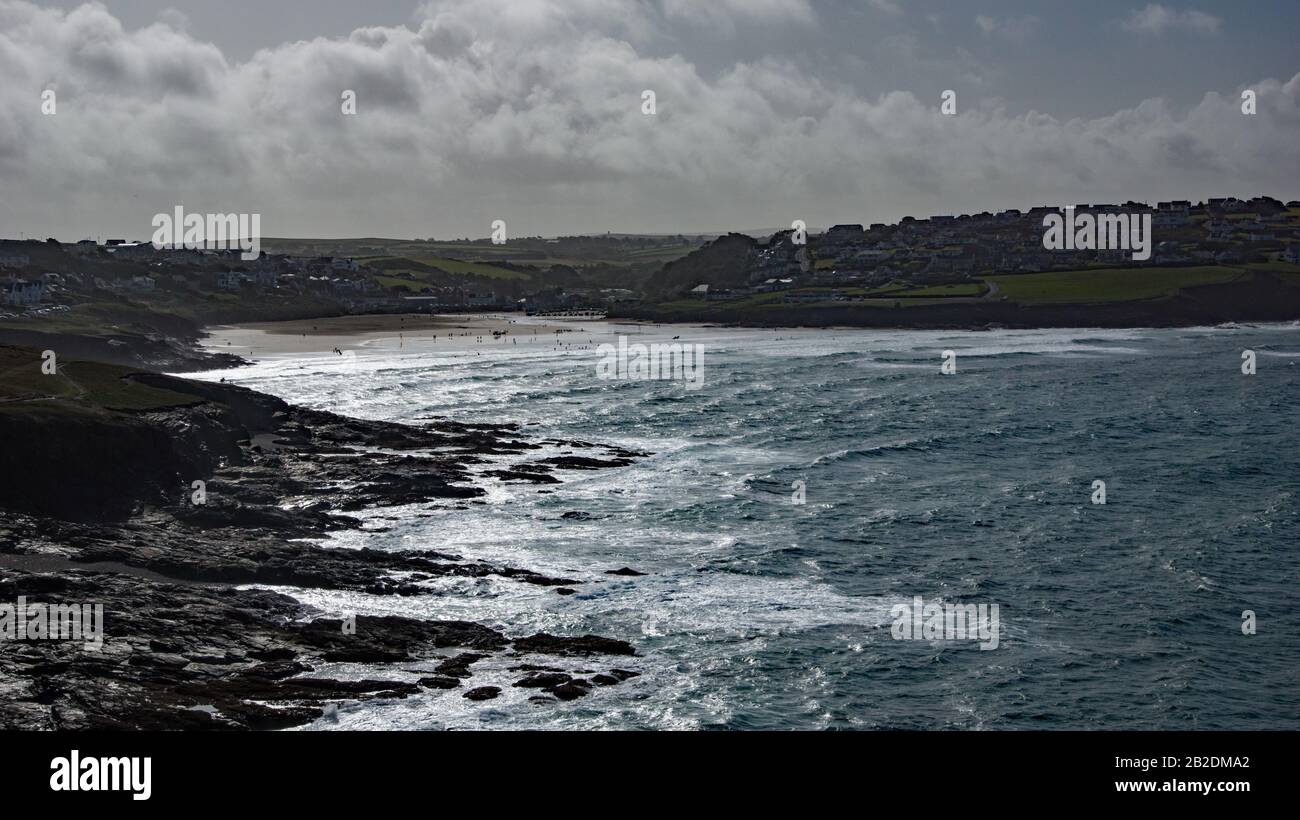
296 336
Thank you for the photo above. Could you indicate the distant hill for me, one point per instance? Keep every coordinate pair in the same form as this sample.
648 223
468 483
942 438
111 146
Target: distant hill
723 263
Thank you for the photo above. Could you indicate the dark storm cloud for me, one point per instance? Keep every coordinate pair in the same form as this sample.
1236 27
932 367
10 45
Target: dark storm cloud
530 111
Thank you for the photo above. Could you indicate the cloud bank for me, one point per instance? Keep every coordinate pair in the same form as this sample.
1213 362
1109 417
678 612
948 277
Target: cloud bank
531 112
1157 19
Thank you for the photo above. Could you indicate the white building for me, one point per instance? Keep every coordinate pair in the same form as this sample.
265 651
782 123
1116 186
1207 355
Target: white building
22 292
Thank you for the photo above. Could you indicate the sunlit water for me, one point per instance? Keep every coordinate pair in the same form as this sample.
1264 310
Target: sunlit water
758 612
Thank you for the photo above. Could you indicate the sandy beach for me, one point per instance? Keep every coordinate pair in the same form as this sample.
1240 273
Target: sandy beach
352 332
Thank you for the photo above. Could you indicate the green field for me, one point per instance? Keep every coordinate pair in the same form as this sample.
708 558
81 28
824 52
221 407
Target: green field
776 303
960 289
1111 285
396 282
659 254
450 266
87 383
1054 287
1276 266
474 268
541 261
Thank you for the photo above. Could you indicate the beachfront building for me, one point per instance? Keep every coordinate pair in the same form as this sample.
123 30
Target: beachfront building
16 292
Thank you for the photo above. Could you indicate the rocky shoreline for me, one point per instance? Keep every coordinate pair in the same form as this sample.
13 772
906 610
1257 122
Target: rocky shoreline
97 506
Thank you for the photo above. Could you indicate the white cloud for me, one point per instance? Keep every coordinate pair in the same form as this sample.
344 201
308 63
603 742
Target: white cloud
533 115
1014 28
1157 19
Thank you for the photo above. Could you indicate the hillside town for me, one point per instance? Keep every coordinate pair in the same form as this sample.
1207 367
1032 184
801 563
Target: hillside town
847 262
851 259
556 274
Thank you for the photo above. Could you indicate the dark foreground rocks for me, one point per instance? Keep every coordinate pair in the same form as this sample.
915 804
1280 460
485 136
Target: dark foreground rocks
186 656
98 505
565 686
584 645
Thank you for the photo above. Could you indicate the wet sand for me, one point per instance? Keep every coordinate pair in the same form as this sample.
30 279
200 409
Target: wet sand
352 332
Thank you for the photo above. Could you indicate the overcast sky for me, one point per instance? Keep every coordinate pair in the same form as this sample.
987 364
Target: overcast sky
530 111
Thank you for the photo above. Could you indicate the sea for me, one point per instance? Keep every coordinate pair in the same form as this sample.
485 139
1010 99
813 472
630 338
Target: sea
798 500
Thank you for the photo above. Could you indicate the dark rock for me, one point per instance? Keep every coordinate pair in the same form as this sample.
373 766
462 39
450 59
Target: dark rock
628 571
439 682
585 645
458 667
543 680
581 462
278 669
572 690
362 655
280 653
353 687
523 475
532 667
483 693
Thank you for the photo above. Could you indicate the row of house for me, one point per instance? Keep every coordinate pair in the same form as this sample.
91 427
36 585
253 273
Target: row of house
946 248
236 279
15 292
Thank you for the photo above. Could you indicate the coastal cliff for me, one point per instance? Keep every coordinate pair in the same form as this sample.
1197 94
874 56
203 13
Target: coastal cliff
98 503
